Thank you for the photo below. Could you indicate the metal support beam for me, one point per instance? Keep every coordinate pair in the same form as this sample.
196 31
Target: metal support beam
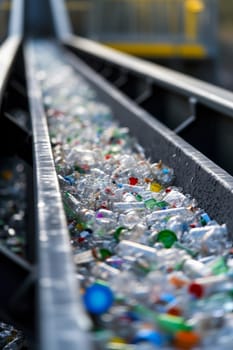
145 95
190 119
121 80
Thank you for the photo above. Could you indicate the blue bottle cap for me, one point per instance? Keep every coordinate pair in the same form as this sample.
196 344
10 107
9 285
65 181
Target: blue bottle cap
165 171
167 297
205 218
150 336
98 298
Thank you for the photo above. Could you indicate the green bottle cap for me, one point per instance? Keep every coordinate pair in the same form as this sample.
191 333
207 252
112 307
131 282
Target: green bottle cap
162 204
104 253
150 203
117 233
138 197
167 237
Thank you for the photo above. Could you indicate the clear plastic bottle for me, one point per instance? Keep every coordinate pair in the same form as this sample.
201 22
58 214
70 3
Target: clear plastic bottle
159 214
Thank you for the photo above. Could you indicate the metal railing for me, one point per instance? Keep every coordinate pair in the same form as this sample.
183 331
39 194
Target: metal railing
151 22
11 45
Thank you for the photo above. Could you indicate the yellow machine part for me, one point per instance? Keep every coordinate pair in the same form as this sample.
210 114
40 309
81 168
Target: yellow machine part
193 8
191 49
194 51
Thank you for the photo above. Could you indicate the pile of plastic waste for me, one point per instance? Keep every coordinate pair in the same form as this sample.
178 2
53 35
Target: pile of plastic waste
155 271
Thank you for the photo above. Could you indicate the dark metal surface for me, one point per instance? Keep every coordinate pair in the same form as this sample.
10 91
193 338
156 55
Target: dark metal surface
62 321
15 139
46 18
38 19
196 174
16 292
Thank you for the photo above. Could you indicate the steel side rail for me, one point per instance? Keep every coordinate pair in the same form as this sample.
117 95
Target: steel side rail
10 47
16 21
209 95
8 53
62 321
61 19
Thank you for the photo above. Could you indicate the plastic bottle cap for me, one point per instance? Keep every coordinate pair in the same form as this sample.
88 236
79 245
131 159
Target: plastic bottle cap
107 156
167 297
167 237
118 232
70 179
133 181
148 335
101 253
104 253
177 281
162 204
196 290
205 219
150 203
116 341
138 197
98 298
155 187
175 311
186 340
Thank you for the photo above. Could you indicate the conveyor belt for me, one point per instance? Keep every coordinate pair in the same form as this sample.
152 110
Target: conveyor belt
60 312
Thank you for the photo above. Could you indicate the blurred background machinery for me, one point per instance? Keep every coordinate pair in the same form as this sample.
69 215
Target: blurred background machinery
150 28
191 36
174 33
